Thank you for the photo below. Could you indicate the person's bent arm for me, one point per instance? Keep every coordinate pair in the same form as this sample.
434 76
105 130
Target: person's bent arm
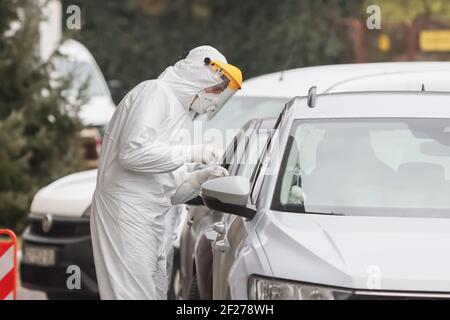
139 148
191 186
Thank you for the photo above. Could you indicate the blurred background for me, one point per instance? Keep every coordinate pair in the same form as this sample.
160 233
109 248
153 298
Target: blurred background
46 130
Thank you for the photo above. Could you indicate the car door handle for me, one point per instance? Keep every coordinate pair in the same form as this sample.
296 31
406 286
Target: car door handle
219 227
222 246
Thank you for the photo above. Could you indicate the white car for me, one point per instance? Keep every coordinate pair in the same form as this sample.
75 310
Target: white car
58 234
67 229
193 276
95 114
78 61
349 200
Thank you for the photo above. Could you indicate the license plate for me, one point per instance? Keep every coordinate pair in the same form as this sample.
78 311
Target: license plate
39 256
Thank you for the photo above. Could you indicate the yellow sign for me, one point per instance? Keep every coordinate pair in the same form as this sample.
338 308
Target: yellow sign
434 40
384 43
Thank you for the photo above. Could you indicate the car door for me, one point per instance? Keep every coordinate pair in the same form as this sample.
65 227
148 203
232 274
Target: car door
233 230
197 234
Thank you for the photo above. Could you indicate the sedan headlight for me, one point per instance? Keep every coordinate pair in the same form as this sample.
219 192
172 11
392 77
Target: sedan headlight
272 289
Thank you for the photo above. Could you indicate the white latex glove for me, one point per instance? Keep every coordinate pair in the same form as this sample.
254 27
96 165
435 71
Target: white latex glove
201 154
199 177
191 187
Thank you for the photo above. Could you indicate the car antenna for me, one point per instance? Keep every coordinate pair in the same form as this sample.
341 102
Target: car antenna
286 10
312 97
288 61
423 86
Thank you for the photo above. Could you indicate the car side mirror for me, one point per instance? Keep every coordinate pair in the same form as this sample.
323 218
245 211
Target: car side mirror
229 195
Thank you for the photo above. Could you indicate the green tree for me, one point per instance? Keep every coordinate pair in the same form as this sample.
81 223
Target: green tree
134 40
404 10
38 136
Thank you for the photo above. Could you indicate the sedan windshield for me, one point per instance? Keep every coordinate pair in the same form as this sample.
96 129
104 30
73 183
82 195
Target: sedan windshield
378 167
84 74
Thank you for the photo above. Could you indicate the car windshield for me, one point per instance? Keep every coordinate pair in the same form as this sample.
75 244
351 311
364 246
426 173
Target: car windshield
221 130
376 167
83 73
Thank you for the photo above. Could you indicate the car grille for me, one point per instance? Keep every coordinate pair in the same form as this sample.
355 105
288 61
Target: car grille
48 277
60 227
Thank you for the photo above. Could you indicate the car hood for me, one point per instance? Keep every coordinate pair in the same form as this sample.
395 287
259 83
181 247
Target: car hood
97 111
69 196
366 253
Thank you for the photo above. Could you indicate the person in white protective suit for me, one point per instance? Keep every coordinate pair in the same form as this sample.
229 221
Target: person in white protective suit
143 171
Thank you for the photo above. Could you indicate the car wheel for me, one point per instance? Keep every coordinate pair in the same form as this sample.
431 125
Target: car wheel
194 292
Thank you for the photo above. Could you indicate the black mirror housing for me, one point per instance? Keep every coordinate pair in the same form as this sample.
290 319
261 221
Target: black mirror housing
217 205
196 202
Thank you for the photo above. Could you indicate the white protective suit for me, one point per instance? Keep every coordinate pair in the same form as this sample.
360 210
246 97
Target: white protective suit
137 176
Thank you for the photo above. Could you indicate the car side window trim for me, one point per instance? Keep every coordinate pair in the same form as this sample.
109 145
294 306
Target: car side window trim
259 173
258 178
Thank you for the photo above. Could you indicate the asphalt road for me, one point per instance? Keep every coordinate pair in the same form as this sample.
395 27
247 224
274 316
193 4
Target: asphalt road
24 294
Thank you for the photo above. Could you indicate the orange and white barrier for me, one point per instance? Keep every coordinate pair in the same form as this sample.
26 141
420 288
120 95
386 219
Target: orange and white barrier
8 265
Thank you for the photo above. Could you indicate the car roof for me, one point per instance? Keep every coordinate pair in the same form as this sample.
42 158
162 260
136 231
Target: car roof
76 51
386 76
374 105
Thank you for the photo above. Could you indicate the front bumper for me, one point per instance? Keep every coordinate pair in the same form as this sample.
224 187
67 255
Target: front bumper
71 240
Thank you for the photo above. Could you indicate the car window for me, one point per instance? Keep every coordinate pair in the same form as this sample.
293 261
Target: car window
83 74
261 167
254 148
377 167
258 176
229 160
264 160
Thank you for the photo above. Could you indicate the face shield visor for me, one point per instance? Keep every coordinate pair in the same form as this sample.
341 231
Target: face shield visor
212 99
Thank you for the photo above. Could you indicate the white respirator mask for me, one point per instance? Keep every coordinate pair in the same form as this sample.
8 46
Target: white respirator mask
204 101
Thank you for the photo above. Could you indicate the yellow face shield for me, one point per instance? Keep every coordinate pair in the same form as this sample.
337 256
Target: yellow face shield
231 82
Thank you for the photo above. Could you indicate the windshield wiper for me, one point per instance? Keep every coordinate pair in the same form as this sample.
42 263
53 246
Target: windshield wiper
301 209
326 213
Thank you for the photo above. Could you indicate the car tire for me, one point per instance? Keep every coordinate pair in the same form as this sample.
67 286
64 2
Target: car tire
194 292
